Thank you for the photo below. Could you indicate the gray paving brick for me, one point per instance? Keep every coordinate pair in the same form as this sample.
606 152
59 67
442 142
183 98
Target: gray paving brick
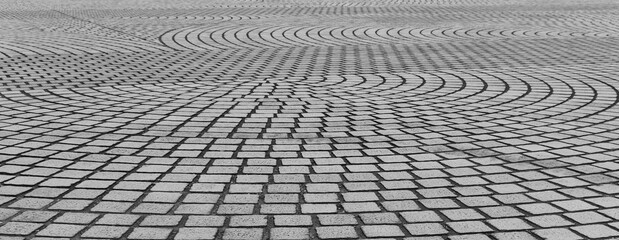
421 216
382 231
596 231
60 230
19 228
196 232
34 216
550 221
556 233
341 232
290 233
337 219
379 218
292 220
205 221
118 219
150 233
161 220
420 229
469 227
242 233
318 208
248 221
506 224
105 232
514 236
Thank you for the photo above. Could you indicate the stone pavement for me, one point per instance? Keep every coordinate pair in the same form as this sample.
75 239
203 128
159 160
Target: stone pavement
299 119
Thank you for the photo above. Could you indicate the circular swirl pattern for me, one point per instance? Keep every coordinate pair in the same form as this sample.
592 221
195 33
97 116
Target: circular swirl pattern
72 45
222 37
449 136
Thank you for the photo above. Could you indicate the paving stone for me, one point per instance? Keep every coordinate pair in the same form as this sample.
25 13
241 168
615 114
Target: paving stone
421 216
34 216
162 220
152 208
241 198
398 194
77 218
337 219
360 207
547 221
462 214
587 217
342 232
31 203
318 208
379 218
118 219
169 197
113 207
321 198
60 230
556 233
506 224
514 236
290 233
278 209
19 228
404 205
242 233
424 238
149 233
193 233
194 209
539 208
70 205
382 231
469 237
596 231
282 198
469 227
248 221
501 211
292 220
105 232
205 221
235 209
420 229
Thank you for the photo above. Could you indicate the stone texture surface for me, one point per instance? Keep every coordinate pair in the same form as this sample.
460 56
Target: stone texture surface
293 119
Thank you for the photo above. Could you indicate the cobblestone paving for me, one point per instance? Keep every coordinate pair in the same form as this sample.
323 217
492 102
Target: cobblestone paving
295 119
